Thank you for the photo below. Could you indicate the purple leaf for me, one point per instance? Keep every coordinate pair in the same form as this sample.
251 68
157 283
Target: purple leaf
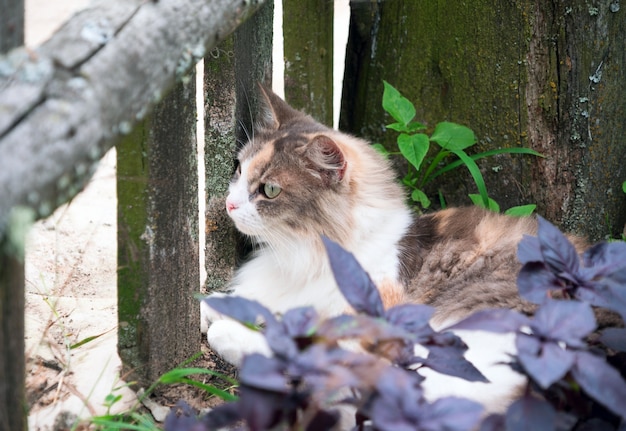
262 410
355 284
558 253
530 414
567 321
529 250
601 381
261 372
413 318
182 418
535 280
451 362
280 343
221 416
493 422
397 400
606 258
451 413
387 415
300 322
241 309
497 320
546 363
614 338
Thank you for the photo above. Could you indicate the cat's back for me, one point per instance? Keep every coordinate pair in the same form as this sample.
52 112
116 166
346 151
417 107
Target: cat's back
464 259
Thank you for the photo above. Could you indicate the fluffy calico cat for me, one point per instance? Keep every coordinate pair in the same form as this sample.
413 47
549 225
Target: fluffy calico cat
298 179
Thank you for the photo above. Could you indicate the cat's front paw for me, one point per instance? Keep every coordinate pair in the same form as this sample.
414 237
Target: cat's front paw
208 315
232 341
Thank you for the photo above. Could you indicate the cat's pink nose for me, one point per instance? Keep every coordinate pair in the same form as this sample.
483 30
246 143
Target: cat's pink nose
230 206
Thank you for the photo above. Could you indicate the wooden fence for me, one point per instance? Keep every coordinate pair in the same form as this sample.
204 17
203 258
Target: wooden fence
119 73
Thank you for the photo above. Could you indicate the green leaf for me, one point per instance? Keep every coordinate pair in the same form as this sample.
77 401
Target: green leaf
111 399
86 340
452 136
473 169
413 148
624 186
381 149
420 196
398 106
521 210
478 201
398 127
414 126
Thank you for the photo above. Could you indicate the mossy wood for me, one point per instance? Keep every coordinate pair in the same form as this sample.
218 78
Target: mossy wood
308 43
11 24
544 75
158 246
232 72
13 409
64 105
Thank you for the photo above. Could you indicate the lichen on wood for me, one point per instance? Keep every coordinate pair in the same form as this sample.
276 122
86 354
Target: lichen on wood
517 73
308 44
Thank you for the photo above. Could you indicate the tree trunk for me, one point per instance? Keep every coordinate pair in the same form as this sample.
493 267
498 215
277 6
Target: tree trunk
518 74
232 72
13 409
157 171
308 41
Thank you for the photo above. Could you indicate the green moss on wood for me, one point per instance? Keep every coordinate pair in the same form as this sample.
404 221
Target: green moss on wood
308 43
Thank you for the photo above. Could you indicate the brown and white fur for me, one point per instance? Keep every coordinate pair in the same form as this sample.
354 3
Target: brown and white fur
457 260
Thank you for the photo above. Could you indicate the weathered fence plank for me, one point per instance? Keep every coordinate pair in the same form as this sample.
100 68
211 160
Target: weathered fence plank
63 105
158 246
12 366
219 149
548 76
231 75
73 115
308 40
13 408
11 24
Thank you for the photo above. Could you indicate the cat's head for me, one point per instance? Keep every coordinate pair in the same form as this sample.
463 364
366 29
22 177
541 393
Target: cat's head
293 179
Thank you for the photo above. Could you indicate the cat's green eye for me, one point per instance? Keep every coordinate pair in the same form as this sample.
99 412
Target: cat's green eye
270 190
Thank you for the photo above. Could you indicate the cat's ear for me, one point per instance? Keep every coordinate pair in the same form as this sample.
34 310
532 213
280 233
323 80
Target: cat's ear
327 157
274 110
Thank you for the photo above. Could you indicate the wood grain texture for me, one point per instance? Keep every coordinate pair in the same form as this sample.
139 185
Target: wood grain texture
63 105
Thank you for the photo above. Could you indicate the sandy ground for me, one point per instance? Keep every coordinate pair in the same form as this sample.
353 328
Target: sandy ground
71 312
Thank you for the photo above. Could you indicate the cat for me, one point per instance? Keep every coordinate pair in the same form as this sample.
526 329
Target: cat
297 180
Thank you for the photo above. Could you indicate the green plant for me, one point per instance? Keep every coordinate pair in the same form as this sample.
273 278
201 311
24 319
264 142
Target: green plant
133 420
452 140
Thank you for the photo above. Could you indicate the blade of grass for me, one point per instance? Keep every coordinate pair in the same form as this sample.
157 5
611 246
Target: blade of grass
88 339
226 396
476 175
109 423
433 165
176 374
484 154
